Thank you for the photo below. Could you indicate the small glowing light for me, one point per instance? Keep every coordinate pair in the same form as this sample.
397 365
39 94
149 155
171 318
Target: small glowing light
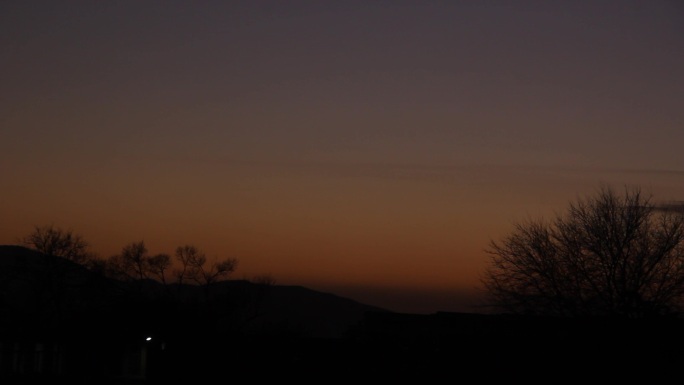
148 339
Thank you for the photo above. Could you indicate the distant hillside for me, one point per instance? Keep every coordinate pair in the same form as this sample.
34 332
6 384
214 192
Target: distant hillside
310 312
61 323
263 308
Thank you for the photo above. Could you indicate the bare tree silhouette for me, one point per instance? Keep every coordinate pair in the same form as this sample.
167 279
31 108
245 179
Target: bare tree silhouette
134 260
158 265
193 267
53 281
58 242
609 254
56 294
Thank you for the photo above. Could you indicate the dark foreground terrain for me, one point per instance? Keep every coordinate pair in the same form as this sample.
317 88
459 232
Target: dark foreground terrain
63 324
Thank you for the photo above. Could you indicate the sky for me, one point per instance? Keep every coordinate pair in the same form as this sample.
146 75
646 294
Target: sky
370 149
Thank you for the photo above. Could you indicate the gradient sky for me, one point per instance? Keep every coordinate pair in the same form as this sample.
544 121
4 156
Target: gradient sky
367 148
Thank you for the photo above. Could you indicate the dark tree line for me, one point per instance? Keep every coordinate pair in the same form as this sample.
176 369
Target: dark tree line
609 255
189 264
68 315
161 288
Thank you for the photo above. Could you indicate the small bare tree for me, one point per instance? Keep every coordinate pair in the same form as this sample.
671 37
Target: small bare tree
57 279
135 260
188 257
132 263
610 254
57 242
193 267
158 265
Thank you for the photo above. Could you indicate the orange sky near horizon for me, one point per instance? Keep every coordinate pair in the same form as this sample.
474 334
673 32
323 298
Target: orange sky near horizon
371 150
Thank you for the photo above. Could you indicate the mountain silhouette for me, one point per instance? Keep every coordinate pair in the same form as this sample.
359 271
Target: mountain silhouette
25 272
61 323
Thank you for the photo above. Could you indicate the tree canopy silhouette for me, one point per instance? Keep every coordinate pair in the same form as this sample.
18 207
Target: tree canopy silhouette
133 263
58 242
608 255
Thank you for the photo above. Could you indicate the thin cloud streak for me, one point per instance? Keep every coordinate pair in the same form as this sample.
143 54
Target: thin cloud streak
673 207
416 171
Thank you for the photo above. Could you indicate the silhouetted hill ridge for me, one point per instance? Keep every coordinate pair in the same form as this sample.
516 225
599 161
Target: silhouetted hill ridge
256 307
93 325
